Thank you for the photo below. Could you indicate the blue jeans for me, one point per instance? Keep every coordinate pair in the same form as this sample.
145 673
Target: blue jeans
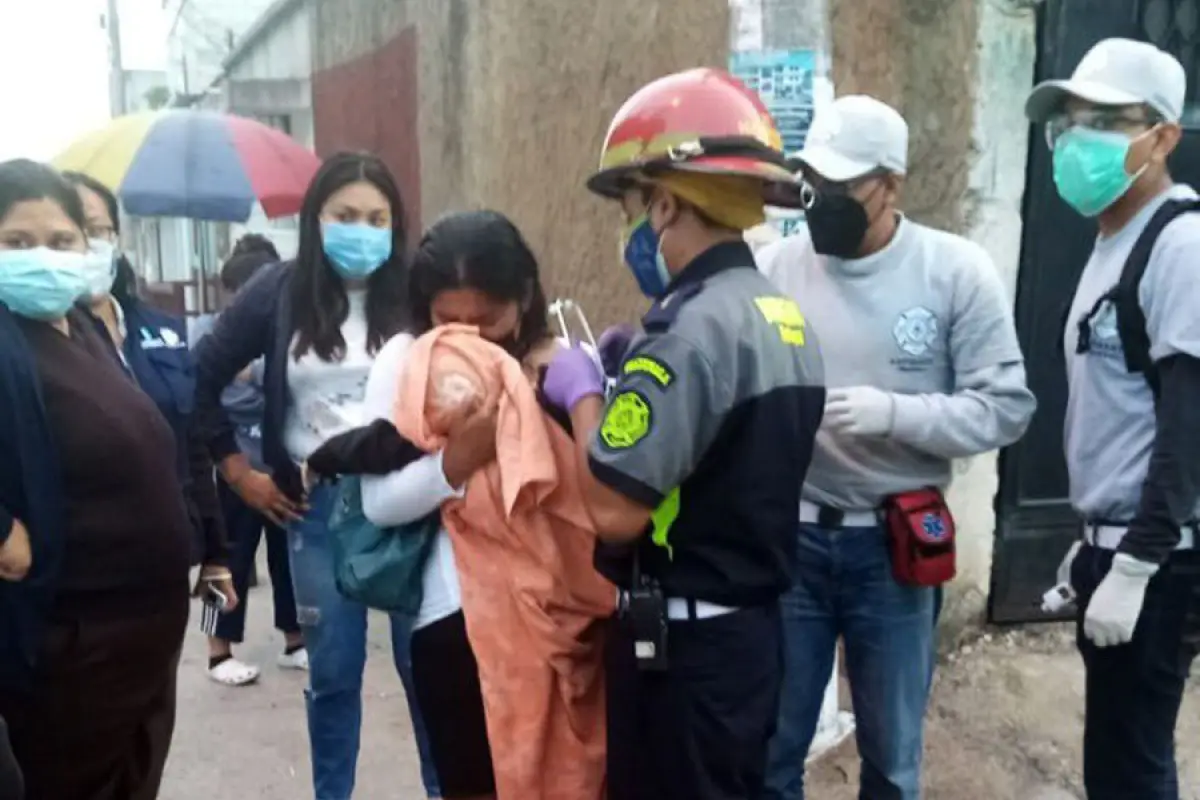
335 633
1134 690
844 587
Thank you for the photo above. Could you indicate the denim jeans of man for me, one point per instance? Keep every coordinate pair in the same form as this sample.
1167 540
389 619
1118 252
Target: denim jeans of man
844 588
1134 691
335 633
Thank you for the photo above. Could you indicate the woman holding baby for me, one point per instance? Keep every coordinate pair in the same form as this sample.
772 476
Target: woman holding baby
506 647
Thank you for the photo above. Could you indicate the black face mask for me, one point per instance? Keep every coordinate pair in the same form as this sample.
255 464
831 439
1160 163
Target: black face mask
837 224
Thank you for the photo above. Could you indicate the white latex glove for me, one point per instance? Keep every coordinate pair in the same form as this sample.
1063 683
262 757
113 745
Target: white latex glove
1113 613
859 411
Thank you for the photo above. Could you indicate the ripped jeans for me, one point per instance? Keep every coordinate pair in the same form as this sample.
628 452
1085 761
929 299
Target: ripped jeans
335 633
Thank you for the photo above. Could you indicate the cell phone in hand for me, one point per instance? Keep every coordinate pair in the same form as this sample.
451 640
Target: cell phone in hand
215 601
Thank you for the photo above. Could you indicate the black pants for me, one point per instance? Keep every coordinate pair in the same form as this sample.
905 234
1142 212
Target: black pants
1134 690
12 785
98 722
246 527
699 730
446 679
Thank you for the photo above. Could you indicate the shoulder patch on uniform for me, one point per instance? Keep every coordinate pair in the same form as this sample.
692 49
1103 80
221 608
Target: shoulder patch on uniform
659 372
627 421
785 315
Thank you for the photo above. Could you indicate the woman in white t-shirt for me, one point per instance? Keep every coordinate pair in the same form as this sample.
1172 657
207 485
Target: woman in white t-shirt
318 323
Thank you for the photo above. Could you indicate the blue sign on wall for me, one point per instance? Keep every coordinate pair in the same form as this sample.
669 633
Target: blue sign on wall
784 81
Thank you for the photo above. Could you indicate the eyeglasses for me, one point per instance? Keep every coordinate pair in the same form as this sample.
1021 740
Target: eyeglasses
1104 120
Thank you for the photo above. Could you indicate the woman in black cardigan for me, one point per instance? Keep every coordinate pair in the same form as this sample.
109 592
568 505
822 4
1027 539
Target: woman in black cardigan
90 634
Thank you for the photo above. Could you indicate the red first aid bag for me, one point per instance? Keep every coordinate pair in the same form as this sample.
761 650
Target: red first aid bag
921 537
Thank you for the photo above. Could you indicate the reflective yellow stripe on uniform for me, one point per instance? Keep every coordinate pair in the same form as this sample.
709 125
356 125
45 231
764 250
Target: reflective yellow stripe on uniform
786 316
663 518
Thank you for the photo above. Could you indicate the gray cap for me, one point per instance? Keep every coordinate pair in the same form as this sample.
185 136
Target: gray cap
1116 72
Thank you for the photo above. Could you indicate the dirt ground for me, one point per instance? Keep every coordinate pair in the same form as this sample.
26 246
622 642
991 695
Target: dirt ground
1004 724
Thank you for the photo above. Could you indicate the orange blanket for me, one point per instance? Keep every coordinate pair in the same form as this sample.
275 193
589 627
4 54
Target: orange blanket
523 545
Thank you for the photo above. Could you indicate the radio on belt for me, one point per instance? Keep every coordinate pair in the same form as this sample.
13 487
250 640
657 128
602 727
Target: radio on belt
646 611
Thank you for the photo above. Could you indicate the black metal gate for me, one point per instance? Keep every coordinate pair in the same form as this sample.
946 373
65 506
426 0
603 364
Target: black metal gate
1034 523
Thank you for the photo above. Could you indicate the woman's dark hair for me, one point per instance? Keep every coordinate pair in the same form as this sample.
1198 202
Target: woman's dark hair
319 302
481 250
255 243
124 287
22 180
249 253
101 191
240 268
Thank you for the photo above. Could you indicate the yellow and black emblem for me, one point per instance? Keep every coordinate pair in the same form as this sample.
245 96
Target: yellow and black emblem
626 422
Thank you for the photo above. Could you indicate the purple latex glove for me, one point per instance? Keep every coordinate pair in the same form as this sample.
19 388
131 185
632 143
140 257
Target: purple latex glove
613 345
572 376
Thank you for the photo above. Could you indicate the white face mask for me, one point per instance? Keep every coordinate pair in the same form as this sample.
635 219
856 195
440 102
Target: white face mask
100 268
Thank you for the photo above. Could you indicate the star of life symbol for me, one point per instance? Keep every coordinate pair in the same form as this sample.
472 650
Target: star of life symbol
934 526
916 330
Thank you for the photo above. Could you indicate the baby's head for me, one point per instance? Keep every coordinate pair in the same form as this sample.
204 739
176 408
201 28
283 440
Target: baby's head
452 395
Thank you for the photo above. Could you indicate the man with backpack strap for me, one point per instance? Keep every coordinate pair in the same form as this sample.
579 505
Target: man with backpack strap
1132 346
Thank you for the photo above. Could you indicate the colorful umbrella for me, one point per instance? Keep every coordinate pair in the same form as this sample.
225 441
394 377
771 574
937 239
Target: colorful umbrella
196 164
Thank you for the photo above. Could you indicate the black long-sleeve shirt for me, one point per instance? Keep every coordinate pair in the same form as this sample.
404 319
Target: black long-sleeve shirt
1172 487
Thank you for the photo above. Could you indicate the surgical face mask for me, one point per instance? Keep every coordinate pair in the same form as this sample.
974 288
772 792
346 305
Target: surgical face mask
1089 169
356 250
100 268
642 251
41 284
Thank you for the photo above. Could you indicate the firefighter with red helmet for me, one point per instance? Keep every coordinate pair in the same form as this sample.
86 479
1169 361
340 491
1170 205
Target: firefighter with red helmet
692 465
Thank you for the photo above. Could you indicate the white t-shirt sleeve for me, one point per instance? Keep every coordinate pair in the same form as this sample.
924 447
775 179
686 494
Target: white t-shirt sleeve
408 494
1170 291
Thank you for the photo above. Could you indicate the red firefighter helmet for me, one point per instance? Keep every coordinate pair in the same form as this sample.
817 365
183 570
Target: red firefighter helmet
700 120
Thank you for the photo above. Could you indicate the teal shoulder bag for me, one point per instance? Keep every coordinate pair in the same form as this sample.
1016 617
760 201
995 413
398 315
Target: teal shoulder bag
381 568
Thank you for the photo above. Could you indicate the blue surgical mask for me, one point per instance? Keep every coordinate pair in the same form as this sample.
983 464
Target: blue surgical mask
1089 169
100 268
354 249
643 255
40 283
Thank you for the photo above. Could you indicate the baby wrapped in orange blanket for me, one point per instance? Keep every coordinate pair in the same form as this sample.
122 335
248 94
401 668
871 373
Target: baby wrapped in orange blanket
523 544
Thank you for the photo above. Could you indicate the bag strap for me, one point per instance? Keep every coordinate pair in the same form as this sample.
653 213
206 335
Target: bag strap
1131 320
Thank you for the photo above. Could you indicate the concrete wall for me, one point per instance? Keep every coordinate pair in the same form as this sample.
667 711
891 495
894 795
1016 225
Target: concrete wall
504 104
959 71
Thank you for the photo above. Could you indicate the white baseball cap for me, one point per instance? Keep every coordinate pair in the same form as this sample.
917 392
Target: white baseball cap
854 135
1116 72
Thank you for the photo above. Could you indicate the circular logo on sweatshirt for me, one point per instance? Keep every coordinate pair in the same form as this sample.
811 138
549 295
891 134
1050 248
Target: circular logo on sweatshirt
916 330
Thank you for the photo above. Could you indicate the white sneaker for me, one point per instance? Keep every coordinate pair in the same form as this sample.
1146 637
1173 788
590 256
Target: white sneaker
294 660
232 672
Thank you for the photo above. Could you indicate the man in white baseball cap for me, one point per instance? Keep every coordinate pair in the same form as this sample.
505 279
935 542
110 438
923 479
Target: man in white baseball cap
1132 429
923 366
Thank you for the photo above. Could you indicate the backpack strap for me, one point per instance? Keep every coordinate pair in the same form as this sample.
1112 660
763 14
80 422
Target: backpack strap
1131 320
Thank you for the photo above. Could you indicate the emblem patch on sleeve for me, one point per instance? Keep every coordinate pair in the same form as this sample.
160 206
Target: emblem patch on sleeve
626 422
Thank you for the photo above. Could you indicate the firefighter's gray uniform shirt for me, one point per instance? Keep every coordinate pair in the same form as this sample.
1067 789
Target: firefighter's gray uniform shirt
928 320
712 423
1110 423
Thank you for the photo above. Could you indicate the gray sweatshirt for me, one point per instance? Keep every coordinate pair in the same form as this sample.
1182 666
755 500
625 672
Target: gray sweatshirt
927 320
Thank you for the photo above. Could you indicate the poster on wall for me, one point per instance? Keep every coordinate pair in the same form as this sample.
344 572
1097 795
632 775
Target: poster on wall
785 81
791 85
